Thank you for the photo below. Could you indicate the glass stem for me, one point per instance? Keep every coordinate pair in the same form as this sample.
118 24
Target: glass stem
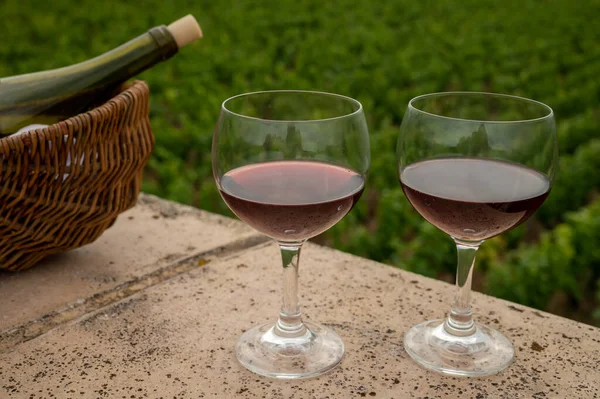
290 323
460 320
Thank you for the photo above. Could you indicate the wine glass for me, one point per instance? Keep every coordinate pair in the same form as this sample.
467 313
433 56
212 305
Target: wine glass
474 165
290 164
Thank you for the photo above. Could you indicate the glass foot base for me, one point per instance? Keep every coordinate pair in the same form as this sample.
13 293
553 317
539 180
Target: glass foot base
484 352
314 353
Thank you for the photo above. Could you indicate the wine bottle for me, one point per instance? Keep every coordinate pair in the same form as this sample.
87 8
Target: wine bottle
51 96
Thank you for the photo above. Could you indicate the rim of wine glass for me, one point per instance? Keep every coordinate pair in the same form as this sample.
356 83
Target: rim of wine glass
350 99
481 93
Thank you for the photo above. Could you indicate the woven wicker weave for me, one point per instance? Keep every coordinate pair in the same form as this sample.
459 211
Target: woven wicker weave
63 185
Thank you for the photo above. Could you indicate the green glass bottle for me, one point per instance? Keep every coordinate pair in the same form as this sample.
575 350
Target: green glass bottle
51 96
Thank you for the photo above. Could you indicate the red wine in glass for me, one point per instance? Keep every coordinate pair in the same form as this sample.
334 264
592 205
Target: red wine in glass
473 198
291 200
290 164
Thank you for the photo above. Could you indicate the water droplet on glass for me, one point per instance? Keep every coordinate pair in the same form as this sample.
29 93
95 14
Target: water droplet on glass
340 207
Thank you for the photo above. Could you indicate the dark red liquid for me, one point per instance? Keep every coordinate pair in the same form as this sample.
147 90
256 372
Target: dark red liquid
473 199
291 200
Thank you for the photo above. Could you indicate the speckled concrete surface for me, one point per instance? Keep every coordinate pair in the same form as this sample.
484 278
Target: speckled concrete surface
143 242
175 339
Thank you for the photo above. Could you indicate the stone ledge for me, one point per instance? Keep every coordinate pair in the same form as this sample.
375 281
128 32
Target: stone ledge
147 244
175 337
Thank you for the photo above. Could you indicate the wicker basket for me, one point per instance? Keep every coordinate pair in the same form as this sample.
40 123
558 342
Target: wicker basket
63 185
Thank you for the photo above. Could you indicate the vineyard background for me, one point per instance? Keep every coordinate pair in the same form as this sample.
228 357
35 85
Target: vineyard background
383 54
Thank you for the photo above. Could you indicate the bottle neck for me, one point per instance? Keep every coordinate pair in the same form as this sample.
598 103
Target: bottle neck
164 41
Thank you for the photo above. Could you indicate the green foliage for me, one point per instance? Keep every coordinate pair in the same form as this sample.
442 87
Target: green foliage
565 260
382 53
577 180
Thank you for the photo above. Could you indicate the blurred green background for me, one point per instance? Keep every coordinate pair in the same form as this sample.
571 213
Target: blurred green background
382 53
